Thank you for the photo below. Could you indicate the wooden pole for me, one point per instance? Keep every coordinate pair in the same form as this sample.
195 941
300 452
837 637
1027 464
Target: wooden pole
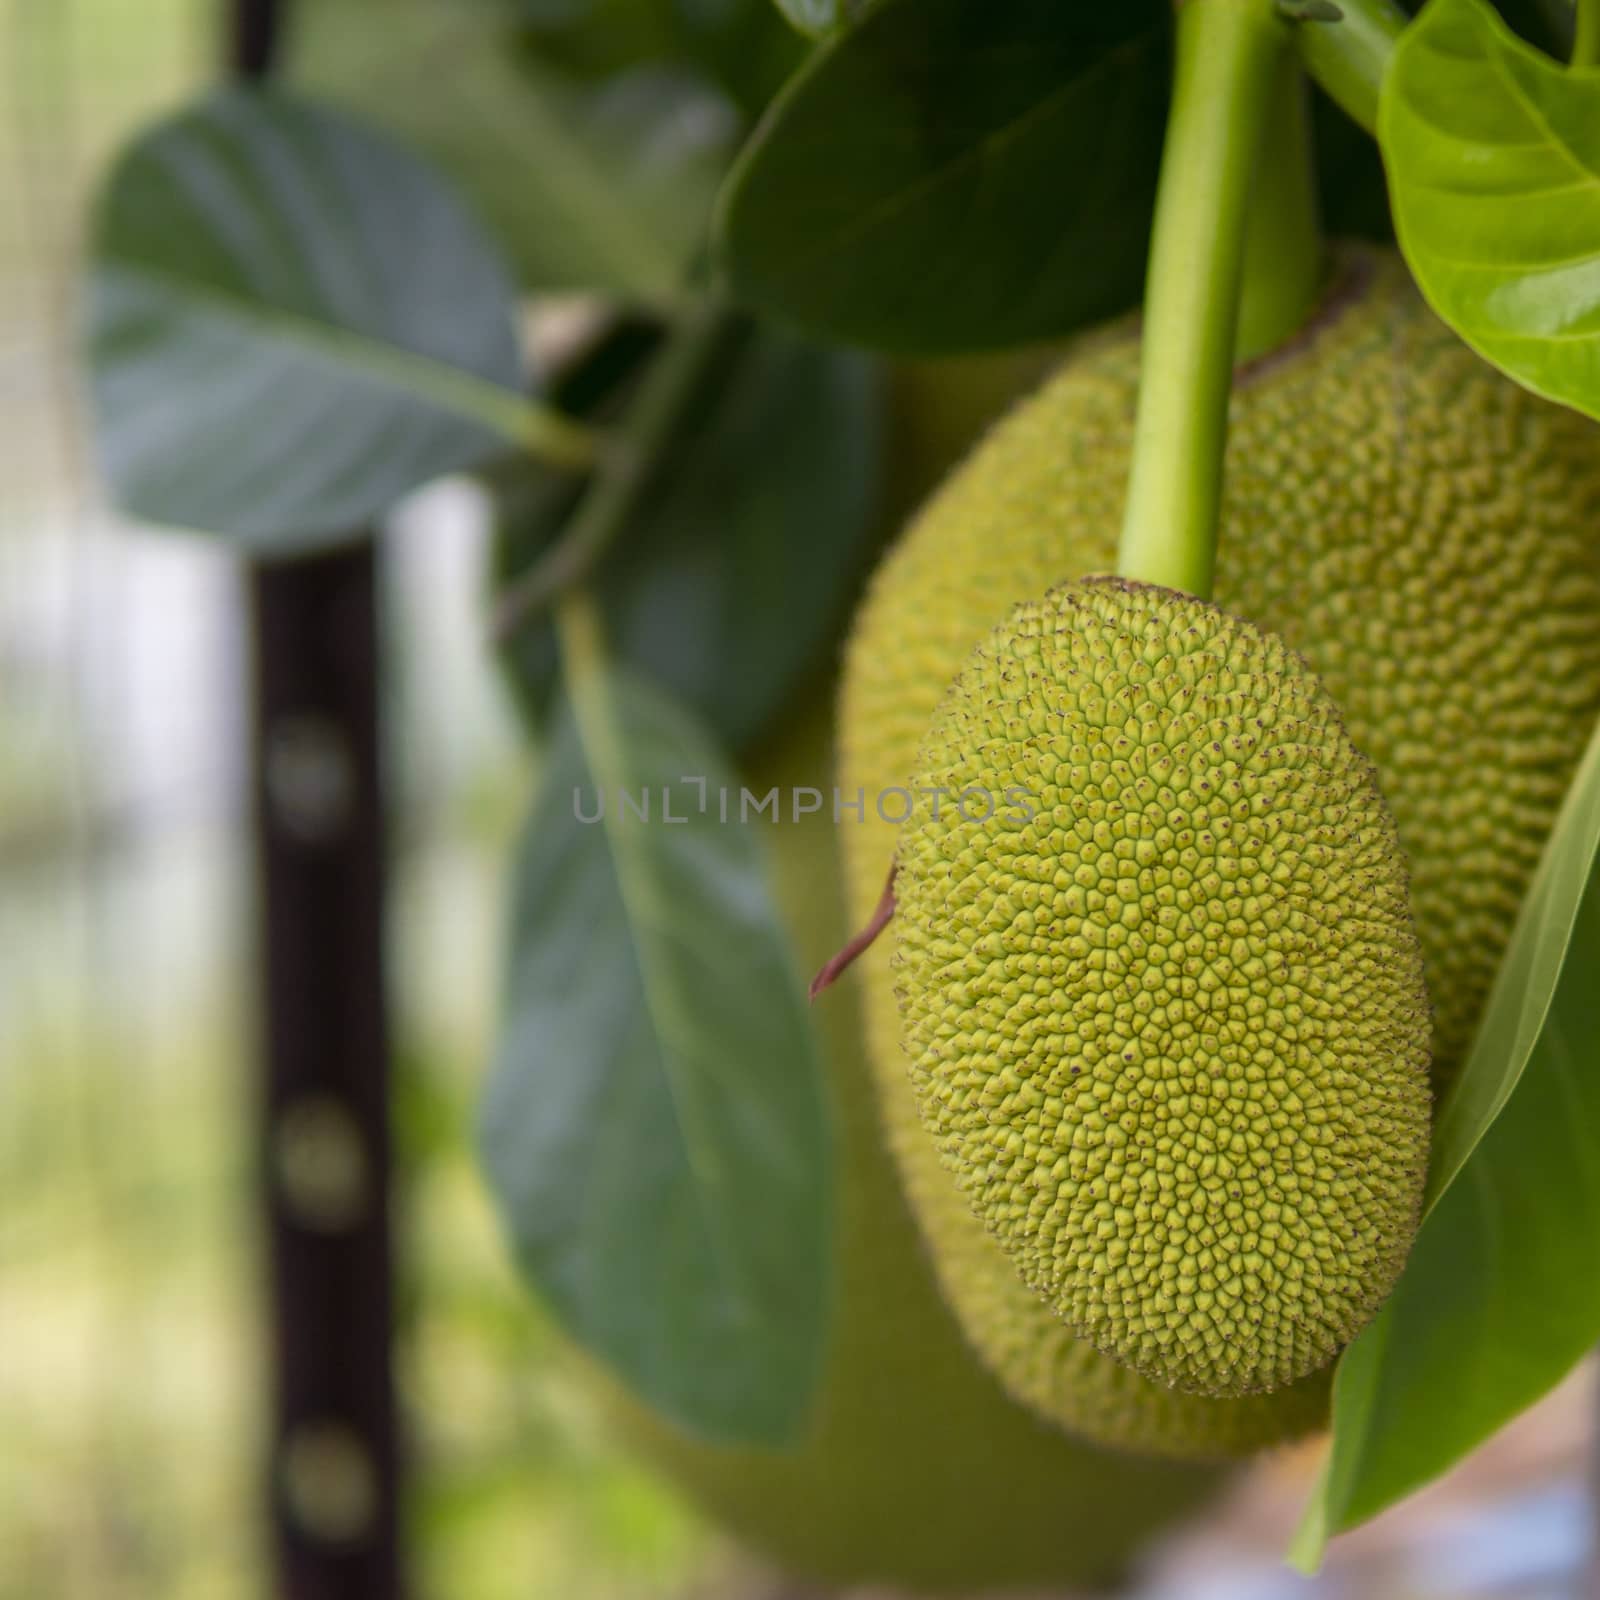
325 1159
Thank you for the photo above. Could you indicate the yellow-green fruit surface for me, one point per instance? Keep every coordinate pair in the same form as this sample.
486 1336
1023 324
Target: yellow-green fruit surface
919 1471
1161 997
1420 529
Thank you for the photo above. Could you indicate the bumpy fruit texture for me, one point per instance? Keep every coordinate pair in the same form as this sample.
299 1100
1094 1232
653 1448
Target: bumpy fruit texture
1048 1367
919 1471
1417 526
1161 997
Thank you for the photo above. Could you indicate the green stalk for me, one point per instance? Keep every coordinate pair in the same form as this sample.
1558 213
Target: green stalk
557 440
1586 35
581 636
1283 237
626 470
1228 55
1349 57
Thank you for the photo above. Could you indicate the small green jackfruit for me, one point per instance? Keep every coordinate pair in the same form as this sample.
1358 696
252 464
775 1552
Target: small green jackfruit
919 1472
1161 996
1413 523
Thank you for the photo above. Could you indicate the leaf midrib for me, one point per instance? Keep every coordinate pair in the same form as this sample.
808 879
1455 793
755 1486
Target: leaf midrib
408 372
595 718
980 150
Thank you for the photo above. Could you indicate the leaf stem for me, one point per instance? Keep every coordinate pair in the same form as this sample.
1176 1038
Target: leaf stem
1586 35
626 468
1349 57
1228 52
581 635
1282 274
555 438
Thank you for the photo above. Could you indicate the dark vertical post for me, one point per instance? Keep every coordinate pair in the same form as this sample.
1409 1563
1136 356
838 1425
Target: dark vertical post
319 839
325 1144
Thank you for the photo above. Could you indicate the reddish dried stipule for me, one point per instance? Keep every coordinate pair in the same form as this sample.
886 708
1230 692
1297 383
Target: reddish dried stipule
875 925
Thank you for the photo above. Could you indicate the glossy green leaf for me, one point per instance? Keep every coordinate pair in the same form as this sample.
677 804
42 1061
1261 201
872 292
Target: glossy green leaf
655 1129
1500 1297
1493 157
734 577
290 323
956 175
588 185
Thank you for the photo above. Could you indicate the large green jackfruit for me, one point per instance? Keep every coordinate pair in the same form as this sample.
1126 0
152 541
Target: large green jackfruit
919 1471
1413 523
1160 992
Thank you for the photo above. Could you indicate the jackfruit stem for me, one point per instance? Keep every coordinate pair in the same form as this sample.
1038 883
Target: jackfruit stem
1349 57
1228 54
1586 35
1283 256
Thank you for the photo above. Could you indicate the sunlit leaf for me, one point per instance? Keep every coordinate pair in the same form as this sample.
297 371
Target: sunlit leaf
655 1130
1493 156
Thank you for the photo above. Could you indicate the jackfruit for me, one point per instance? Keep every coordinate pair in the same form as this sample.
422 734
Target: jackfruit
919 1471
1160 993
1414 524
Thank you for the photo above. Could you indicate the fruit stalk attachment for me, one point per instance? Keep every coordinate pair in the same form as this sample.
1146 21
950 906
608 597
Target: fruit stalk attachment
1586 34
1349 57
1230 55
1283 237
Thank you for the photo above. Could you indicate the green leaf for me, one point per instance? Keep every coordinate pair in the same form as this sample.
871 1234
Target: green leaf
290 323
1527 984
764 511
1493 157
655 1129
956 175
1499 1298
603 186
742 45
818 18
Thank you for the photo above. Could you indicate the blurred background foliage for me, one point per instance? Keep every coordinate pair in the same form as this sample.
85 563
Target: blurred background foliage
131 1396
130 1371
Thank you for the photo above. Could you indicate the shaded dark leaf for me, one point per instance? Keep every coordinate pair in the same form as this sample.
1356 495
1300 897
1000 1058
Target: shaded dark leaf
742 45
954 175
732 580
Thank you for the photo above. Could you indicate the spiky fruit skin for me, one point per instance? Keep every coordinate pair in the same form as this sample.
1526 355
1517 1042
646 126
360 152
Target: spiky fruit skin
1416 525
919 1471
1048 1368
1161 997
